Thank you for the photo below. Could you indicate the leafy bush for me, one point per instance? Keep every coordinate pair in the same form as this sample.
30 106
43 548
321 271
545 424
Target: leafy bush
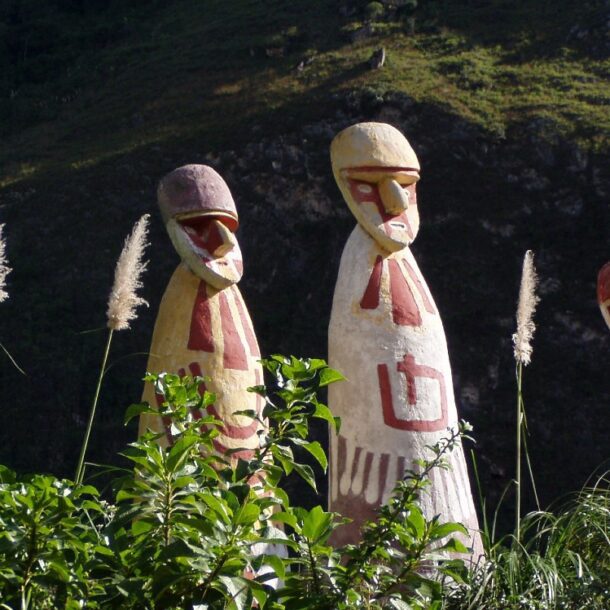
188 529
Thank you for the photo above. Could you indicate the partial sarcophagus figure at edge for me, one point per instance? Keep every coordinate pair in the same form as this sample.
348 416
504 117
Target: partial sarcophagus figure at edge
387 338
203 327
603 292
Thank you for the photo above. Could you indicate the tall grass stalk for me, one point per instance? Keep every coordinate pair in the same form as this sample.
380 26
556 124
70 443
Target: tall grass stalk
522 341
4 271
122 305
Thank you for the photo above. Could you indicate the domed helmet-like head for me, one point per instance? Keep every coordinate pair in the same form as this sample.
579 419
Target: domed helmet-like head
201 219
376 170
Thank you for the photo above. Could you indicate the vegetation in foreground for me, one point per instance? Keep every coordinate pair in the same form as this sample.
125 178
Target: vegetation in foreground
182 528
183 525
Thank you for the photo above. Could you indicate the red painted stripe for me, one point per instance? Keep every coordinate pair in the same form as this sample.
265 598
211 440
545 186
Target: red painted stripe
368 462
246 324
377 168
228 430
244 454
341 460
370 299
200 336
420 288
232 431
404 308
400 468
234 356
383 473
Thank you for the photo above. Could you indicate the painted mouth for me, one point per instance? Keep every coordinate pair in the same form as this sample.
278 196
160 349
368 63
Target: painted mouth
209 234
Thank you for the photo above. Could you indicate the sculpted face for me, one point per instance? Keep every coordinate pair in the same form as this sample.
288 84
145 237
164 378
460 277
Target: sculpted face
201 220
376 170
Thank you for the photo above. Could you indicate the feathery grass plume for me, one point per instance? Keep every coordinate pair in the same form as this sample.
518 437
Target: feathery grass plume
522 339
122 305
4 268
123 299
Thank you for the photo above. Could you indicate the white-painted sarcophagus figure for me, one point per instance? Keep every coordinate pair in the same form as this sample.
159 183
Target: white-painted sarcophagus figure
387 338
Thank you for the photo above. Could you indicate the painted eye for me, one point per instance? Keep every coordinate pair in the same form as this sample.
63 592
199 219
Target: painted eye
365 188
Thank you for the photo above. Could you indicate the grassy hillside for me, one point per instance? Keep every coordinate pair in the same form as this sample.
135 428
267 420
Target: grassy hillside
86 83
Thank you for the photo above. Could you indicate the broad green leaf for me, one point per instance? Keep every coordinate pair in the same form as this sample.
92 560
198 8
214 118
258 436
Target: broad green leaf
284 517
316 524
316 450
137 409
180 451
323 412
248 514
446 529
276 564
455 546
328 376
220 508
416 522
306 473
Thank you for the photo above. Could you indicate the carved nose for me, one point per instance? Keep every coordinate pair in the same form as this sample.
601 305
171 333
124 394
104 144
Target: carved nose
394 197
227 237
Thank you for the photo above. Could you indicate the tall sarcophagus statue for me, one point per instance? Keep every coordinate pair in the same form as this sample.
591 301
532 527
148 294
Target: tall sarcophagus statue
203 327
387 338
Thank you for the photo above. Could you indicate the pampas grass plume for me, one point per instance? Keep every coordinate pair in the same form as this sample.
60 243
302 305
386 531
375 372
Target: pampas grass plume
4 268
123 299
522 339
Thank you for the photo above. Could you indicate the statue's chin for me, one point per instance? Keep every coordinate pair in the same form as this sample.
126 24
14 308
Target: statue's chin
219 272
393 235
391 244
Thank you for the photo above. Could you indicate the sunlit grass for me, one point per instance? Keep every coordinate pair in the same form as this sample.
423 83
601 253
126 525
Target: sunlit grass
200 71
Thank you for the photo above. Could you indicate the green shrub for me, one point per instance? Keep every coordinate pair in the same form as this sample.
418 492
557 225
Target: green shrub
187 529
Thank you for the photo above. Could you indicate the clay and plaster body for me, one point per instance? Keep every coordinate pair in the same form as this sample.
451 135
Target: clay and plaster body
203 327
204 331
387 338
603 292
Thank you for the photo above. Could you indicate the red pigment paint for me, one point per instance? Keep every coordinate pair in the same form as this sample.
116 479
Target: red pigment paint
405 311
411 370
374 197
383 473
415 279
200 335
603 284
370 299
229 430
384 169
234 356
248 330
244 454
204 232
